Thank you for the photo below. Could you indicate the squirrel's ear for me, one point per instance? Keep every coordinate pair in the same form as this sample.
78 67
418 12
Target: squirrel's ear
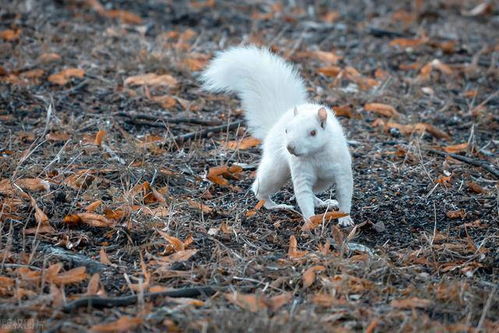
322 114
295 111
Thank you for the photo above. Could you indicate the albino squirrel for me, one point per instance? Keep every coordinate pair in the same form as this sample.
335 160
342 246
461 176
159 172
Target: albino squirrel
300 139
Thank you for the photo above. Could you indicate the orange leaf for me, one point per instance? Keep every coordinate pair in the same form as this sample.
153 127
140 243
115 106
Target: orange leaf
475 187
253 303
243 144
220 174
166 102
343 110
316 220
93 206
293 251
456 214
456 148
382 109
406 42
309 275
204 208
176 243
74 275
124 16
104 259
48 57
99 137
57 136
277 302
94 220
10 35
410 303
179 256
332 71
151 79
33 184
65 75
124 324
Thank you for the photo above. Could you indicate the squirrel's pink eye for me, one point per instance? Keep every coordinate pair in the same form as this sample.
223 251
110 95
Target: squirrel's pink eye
313 132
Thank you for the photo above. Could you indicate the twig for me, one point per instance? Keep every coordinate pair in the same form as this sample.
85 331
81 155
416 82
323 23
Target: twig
377 32
109 302
207 131
75 258
158 122
479 163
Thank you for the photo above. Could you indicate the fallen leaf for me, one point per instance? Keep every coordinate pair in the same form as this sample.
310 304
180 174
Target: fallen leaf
276 302
406 42
33 184
10 35
332 71
343 111
202 207
410 303
253 211
91 219
166 102
93 206
151 79
104 259
481 9
48 57
253 303
382 109
57 136
179 256
316 220
99 137
456 214
243 144
293 251
456 148
220 174
309 275
124 16
474 187
124 324
63 77
74 275
176 243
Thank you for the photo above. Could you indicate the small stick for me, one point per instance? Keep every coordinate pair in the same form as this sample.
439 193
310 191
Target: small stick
479 163
207 131
377 32
109 302
157 122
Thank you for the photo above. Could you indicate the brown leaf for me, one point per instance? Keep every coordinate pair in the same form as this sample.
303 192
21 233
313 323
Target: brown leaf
65 75
91 219
179 256
99 137
456 214
456 148
74 275
202 207
57 136
410 303
93 206
276 302
220 174
243 144
309 275
253 303
48 57
124 324
316 220
332 71
151 79
104 259
176 243
474 187
33 184
94 286
293 251
166 102
10 35
124 16
338 236
343 110
382 109
253 211
406 42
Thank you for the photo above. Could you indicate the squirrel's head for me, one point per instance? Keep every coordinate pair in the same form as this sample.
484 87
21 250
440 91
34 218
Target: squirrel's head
306 133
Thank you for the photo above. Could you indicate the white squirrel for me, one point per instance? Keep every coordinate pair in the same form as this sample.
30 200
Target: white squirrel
300 139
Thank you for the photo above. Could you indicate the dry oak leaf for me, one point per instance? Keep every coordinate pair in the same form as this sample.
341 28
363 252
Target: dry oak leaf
316 220
91 219
410 303
382 109
293 251
48 57
219 174
104 259
202 207
456 148
274 303
93 206
99 137
33 184
309 275
456 214
343 111
243 144
332 71
165 101
406 42
251 302
124 16
42 220
57 136
175 243
124 324
65 75
327 57
151 79
474 187
196 62
253 211
10 35
178 256
74 275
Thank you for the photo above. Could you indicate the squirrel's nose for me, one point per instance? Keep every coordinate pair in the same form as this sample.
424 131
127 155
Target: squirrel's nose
291 149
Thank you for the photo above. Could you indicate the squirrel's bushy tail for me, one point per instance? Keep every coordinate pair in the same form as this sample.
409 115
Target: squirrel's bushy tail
265 83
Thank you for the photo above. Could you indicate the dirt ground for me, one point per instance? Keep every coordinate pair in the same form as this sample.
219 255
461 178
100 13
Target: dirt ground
103 197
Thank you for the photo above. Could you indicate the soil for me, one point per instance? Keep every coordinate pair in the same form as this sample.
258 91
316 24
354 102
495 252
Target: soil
423 256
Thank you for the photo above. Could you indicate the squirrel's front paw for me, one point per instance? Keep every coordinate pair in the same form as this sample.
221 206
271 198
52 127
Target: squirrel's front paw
345 221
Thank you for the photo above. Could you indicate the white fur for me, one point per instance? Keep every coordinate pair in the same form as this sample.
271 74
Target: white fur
274 98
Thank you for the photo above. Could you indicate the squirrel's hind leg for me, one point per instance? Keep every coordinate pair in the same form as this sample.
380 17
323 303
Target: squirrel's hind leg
272 174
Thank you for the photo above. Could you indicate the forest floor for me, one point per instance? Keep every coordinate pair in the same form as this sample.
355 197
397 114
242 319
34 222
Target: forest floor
125 199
